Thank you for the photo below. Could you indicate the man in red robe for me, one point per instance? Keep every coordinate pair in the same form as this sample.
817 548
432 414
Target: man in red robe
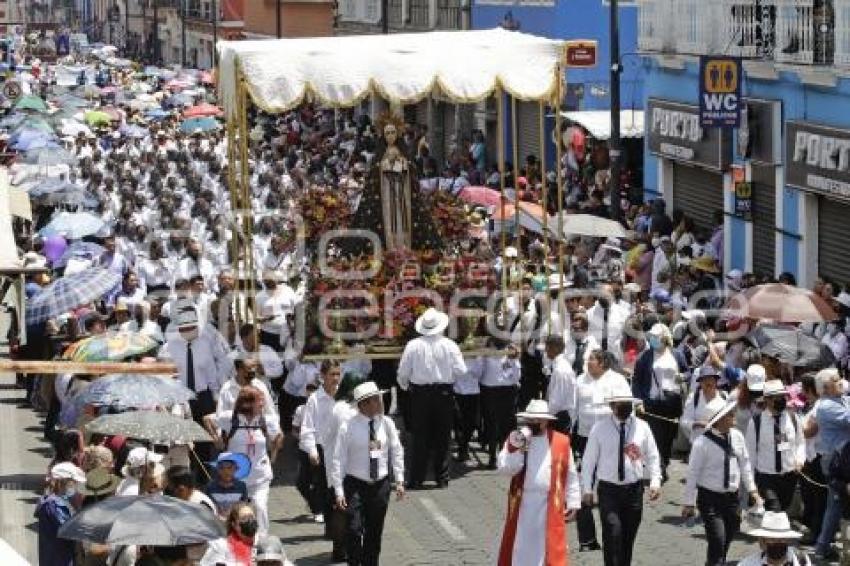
544 485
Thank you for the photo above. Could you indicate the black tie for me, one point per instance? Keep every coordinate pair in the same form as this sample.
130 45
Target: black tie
373 462
578 363
190 367
777 440
727 453
621 464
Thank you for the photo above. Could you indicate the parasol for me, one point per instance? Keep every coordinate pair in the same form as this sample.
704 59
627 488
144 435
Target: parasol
110 347
201 110
97 117
198 125
791 345
146 520
590 225
74 225
70 292
152 426
781 303
31 102
484 196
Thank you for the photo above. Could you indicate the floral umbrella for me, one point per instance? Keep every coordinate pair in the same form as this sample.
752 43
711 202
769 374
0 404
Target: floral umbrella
110 347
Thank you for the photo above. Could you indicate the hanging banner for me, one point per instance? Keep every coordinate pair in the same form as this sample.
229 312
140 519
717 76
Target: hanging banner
720 92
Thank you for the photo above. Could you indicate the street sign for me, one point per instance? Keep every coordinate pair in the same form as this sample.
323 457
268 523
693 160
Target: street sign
720 92
12 90
581 53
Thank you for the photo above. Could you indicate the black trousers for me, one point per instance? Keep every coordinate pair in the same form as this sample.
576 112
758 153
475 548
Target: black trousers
320 501
584 519
466 420
498 405
531 384
367 507
777 490
203 404
304 481
814 497
722 520
287 404
664 431
432 420
621 511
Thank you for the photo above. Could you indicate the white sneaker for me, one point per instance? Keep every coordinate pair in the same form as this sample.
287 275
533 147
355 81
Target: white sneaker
319 518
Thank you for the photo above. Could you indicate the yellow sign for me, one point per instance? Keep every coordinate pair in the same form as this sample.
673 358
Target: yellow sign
721 76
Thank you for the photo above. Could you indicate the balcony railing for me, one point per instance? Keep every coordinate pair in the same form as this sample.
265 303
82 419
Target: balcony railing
420 14
449 14
786 31
395 12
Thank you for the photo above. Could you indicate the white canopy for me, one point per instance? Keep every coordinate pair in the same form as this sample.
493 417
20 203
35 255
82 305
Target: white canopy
598 122
404 68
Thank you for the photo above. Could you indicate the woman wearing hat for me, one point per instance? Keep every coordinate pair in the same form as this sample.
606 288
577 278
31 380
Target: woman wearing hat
53 510
368 458
718 465
705 392
775 536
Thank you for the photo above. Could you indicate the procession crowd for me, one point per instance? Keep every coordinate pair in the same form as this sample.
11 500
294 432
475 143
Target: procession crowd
612 356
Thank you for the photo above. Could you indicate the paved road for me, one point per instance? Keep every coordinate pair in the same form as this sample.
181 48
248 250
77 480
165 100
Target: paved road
456 526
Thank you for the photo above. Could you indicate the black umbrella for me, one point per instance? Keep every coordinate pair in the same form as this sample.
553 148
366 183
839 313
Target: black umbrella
791 346
148 520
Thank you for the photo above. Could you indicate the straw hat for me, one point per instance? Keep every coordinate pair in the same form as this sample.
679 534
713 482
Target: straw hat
774 388
775 525
537 409
432 322
99 482
620 394
364 391
67 471
729 405
755 377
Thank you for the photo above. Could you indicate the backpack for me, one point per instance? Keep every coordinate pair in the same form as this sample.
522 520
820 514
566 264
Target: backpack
234 426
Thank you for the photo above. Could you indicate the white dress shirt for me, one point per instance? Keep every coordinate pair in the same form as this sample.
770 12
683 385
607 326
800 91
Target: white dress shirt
665 369
301 374
249 439
602 454
561 393
352 454
342 412
590 345
156 272
430 360
269 359
230 391
188 268
537 461
792 444
315 422
591 395
691 410
705 467
470 382
501 372
212 365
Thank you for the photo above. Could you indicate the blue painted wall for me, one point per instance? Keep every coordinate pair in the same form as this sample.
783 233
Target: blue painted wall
579 19
826 105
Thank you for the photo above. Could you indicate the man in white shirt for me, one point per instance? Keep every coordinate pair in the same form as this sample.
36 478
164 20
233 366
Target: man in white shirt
428 369
195 264
717 466
775 537
544 483
620 453
561 392
777 448
499 386
467 391
314 429
245 373
368 458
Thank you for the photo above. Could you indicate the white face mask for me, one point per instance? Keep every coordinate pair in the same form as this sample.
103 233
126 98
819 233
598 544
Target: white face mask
656 242
189 334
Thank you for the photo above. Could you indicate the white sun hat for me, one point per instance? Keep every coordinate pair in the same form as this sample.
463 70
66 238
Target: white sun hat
775 525
432 322
537 409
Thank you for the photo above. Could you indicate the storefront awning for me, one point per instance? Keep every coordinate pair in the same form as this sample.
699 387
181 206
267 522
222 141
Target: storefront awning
598 122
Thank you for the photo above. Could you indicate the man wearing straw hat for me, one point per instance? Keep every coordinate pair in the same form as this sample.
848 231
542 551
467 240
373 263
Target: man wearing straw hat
544 483
368 458
775 536
428 369
620 451
718 465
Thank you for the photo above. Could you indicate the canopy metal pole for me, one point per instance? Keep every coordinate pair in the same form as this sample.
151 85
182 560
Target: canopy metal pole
245 194
235 203
517 240
559 80
500 133
545 195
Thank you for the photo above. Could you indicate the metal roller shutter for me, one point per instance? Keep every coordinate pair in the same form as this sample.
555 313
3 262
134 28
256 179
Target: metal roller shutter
764 220
833 262
422 112
528 130
449 128
697 193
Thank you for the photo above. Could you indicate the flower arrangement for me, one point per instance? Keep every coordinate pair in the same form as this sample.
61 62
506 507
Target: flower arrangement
449 216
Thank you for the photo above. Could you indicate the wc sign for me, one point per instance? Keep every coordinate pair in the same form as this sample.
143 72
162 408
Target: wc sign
720 92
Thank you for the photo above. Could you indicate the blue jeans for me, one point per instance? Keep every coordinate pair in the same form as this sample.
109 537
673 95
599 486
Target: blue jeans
832 517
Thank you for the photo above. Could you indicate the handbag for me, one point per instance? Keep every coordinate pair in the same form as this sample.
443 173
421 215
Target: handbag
671 401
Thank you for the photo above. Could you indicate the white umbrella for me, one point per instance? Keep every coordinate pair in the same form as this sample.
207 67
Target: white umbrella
590 225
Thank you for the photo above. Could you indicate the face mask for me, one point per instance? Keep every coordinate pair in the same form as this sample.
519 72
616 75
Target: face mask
535 428
654 342
776 551
604 303
70 492
248 527
656 242
189 335
779 405
623 411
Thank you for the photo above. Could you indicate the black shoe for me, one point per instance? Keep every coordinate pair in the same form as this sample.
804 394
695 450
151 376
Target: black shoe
413 485
491 465
589 547
443 484
463 456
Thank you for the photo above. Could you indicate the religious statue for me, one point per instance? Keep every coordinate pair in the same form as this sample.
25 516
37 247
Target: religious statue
395 190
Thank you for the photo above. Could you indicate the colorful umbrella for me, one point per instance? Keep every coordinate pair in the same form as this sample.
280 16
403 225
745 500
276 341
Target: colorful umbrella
110 347
152 426
198 125
97 118
134 131
157 114
70 292
144 520
590 225
74 225
81 249
484 196
31 102
781 303
202 109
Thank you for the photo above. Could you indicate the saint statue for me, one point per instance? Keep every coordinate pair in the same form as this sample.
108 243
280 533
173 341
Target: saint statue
395 191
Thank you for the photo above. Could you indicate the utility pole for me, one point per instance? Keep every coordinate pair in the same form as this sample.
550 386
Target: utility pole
614 142
144 44
156 54
183 31
385 16
215 33
277 19
126 27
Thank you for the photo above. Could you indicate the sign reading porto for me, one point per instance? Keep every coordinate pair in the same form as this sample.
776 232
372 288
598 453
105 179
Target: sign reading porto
720 92
818 158
581 53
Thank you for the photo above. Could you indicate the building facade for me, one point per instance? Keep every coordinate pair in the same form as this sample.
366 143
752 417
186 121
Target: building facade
782 180
289 18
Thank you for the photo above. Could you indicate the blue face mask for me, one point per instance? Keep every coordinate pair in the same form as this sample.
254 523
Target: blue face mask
70 492
654 342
